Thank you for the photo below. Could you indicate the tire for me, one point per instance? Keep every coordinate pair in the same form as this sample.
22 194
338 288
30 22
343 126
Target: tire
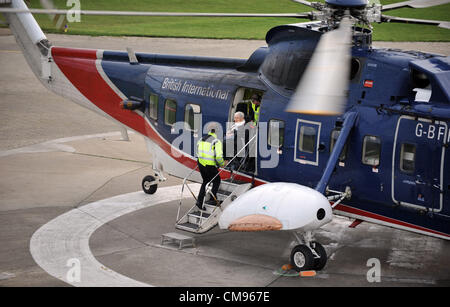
302 258
149 189
319 263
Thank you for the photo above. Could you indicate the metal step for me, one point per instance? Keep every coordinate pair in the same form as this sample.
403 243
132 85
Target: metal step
188 227
210 208
227 186
197 217
200 214
234 181
177 238
224 192
211 203
222 195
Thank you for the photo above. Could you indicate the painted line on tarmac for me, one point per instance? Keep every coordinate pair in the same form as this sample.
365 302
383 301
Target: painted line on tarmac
10 51
61 247
57 144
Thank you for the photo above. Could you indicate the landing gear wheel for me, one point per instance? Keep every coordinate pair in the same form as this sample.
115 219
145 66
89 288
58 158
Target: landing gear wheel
302 258
319 263
148 186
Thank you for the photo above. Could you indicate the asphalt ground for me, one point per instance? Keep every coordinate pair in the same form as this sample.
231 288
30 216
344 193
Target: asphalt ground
64 166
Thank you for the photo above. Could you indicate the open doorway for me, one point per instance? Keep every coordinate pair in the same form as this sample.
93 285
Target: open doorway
243 102
241 135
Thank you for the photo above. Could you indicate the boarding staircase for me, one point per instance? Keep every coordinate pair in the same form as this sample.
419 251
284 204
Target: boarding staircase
200 221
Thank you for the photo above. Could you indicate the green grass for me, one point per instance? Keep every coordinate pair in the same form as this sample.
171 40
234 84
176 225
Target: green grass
234 28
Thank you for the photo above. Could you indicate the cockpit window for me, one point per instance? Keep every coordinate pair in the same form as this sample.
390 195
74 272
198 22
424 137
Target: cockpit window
419 79
421 86
153 106
355 69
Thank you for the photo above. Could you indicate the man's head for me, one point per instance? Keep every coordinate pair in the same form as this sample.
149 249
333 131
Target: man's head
239 117
256 99
212 127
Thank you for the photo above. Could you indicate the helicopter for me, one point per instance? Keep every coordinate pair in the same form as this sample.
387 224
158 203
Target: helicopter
343 128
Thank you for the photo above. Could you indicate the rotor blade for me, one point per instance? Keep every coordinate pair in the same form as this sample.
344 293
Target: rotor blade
154 14
316 5
307 3
323 87
439 23
60 21
417 4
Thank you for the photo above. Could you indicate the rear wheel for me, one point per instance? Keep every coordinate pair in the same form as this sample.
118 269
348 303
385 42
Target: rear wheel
302 258
148 185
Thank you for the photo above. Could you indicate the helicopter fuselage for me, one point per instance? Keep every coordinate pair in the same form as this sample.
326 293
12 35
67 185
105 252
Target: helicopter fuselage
396 160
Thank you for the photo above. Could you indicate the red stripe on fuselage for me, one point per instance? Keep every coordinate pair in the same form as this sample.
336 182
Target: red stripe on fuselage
74 53
374 216
78 65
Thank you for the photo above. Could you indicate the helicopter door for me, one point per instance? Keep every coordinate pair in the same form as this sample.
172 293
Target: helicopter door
418 157
243 103
307 136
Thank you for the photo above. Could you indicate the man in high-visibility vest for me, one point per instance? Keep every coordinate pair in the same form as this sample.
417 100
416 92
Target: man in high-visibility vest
210 155
256 103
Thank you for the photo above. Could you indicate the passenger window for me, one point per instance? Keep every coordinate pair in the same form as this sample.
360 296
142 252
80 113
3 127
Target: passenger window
408 158
191 115
334 136
170 112
371 150
307 140
275 135
153 107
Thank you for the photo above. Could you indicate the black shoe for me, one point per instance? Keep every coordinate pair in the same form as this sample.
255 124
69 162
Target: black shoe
200 206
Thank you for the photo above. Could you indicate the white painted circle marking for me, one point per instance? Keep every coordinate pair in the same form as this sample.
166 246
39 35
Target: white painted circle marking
67 237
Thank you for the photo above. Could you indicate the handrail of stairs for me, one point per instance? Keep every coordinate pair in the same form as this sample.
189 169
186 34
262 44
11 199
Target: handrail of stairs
182 191
218 174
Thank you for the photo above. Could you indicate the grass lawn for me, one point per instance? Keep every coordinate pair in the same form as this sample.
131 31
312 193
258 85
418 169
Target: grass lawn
234 28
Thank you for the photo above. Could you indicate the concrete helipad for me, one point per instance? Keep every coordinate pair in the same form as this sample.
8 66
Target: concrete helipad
72 213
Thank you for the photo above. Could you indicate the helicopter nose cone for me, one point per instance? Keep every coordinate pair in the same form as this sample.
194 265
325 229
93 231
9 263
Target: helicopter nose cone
347 3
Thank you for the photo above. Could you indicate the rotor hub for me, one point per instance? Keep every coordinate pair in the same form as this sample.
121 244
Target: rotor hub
360 11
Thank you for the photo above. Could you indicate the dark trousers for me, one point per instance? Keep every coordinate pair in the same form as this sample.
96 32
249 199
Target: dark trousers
208 172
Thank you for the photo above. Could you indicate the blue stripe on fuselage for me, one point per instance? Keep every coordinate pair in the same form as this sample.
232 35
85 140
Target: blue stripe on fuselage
128 78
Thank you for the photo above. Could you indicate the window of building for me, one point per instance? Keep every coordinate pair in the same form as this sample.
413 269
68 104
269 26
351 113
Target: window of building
170 112
153 106
307 140
371 150
275 135
192 117
408 158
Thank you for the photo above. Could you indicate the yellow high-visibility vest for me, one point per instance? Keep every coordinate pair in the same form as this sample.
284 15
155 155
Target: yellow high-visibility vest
210 151
256 112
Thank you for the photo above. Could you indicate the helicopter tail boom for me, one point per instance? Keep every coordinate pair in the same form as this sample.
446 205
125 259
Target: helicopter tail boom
51 64
29 36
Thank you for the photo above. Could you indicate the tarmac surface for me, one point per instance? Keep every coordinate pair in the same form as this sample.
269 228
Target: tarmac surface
71 198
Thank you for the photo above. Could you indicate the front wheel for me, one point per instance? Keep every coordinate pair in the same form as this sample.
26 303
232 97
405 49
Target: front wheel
302 258
319 263
148 185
